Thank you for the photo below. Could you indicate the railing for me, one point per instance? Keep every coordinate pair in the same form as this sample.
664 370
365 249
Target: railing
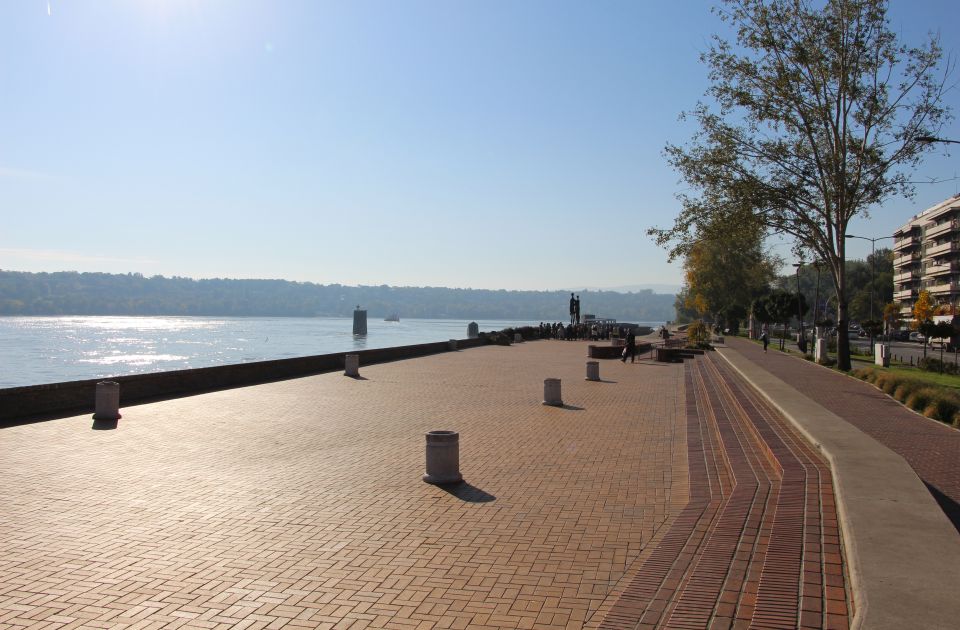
906 276
943 228
945 248
905 294
942 211
939 270
948 287
906 260
905 243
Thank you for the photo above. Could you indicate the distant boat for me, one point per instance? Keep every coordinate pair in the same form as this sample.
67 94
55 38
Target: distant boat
393 317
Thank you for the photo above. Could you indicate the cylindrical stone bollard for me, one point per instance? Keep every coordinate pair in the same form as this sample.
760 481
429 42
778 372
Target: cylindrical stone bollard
452 344
551 392
359 322
443 457
517 338
107 403
351 365
593 370
473 330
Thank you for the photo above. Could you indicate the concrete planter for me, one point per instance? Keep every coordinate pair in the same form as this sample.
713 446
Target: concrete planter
107 402
593 371
443 457
351 365
551 392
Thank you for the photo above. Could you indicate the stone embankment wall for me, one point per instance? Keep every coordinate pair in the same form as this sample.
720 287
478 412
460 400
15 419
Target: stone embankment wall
36 402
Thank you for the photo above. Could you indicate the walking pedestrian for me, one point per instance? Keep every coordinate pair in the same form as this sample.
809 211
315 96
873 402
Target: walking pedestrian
573 309
765 339
576 309
630 350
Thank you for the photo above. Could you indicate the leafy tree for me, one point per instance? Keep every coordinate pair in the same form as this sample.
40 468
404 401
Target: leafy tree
781 306
923 309
725 269
891 316
819 115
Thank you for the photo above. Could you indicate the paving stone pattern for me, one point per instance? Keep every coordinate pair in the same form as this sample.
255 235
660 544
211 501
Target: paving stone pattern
299 504
931 448
758 545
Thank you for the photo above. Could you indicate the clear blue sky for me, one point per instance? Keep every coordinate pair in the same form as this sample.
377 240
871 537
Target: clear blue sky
494 144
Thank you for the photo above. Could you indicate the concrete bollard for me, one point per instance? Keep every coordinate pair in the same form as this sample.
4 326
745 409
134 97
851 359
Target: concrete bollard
359 322
473 330
517 338
351 365
107 402
551 392
593 371
443 457
820 350
452 345
881 357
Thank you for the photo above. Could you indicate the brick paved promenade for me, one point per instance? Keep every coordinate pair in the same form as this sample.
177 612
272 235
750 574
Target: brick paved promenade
931 448
666 496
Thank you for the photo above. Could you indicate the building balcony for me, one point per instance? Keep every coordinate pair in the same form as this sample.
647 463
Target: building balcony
940 250
907 311
906 260
944 211
906 276
946 227
906 243
944 288
905 294
939 270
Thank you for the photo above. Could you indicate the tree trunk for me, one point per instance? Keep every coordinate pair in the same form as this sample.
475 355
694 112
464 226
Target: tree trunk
843 339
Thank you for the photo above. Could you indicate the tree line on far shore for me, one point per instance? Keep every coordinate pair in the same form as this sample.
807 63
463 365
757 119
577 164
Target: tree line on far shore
73 293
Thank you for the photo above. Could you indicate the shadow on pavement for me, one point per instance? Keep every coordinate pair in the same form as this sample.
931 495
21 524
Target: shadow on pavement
948 505
466 492
104 425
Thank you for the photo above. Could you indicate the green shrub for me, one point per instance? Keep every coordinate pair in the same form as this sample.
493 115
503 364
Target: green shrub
905 388
808 357
864 374
886 382
943 407
919 399
933 364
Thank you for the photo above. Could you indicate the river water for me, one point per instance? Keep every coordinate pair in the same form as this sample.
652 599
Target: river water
36 350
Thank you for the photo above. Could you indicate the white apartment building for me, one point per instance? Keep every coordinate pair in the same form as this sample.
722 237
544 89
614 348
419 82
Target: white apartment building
926 255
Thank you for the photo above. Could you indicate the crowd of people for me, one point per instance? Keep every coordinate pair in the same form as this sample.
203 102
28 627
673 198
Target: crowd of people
580 331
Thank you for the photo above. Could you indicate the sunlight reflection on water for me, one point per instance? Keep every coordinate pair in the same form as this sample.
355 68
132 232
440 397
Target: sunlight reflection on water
36 350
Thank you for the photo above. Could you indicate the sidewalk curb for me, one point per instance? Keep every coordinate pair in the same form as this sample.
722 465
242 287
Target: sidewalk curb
902 554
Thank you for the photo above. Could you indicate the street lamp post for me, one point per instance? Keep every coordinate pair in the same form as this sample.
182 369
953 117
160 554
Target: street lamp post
816 300
801 341
873 264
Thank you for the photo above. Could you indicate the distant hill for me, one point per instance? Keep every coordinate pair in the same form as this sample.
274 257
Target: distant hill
72 293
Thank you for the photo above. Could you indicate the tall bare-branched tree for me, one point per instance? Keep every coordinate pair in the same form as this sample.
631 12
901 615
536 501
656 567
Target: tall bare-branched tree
818 115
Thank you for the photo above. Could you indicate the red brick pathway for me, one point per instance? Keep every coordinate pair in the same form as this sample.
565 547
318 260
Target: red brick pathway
931 448
758 544
666 496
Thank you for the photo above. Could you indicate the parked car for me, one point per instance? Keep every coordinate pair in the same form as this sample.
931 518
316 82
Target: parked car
915 336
